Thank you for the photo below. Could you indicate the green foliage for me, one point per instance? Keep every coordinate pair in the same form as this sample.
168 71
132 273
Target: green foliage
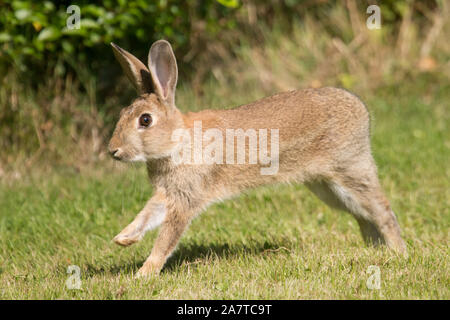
34 38
34 35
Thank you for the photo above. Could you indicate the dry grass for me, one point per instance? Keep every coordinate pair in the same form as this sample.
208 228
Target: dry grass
352 56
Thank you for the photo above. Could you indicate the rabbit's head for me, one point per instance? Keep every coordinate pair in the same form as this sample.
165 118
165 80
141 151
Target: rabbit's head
145 127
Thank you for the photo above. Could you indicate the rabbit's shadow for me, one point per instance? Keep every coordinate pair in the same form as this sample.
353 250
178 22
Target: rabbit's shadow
188 253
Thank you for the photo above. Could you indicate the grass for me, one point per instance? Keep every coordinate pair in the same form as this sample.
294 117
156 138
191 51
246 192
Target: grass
277 242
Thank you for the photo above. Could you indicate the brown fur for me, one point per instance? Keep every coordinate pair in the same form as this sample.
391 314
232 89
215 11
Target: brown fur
323 142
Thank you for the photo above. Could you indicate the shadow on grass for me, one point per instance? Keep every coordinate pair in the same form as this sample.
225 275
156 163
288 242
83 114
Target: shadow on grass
188 253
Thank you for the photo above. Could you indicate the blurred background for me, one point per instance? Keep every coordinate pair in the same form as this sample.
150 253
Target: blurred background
61 90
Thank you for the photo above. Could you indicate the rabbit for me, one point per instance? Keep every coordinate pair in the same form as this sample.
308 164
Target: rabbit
323 142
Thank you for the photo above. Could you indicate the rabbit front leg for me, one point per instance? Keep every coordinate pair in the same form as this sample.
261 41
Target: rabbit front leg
150 217
171 230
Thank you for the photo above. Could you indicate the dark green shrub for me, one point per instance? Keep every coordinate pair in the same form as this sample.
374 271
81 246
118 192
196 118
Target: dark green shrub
34 37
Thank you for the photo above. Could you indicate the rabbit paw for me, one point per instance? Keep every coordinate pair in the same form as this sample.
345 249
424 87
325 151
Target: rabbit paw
125 240
148 271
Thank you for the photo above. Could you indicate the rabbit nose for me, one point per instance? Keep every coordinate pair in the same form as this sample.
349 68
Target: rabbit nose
115 153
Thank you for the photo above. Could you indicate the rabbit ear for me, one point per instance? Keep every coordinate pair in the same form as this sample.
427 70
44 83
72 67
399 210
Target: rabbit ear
163 68
135 70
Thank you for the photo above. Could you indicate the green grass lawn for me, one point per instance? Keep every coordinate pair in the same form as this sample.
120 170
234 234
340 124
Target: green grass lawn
276 242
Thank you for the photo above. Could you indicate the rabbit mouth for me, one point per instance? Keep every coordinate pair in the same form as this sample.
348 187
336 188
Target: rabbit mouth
129 158
122 154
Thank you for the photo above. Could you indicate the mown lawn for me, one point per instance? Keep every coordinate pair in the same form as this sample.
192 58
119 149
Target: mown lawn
277 242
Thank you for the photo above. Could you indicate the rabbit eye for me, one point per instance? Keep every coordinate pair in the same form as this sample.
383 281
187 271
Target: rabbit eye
145 120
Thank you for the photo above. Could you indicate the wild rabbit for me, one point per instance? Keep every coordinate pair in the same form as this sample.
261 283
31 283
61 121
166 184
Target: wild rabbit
319 137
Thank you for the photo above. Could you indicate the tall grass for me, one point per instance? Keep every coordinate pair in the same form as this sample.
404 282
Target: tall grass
351 55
